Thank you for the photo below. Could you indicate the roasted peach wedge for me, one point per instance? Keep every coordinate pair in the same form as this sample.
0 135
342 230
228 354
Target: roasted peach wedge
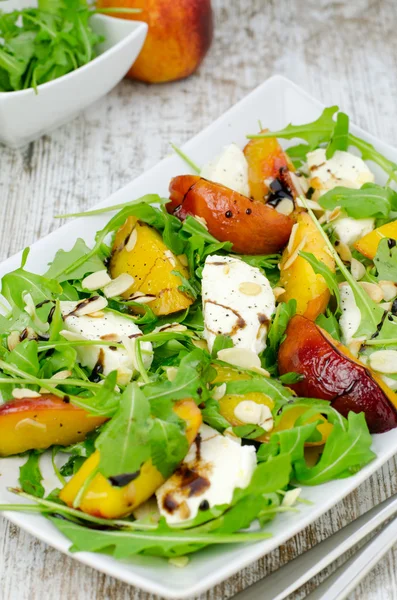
332 373
251 226
103 499
229 402
266 160
297 276
368 245
139 250
38 423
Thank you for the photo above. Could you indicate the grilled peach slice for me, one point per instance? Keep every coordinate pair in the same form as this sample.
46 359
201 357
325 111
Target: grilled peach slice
103 499
297 276
332 373
139 250
38 423
251 226
265 159
368 245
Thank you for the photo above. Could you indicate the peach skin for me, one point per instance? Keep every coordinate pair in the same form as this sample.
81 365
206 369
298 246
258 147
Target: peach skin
103 499
297 276
179 36
251 226
332 373
38 423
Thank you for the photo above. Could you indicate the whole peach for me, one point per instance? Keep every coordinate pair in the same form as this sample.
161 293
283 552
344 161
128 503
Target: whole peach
179 36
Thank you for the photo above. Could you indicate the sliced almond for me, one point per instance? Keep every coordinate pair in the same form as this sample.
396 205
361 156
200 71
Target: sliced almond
30 423
240 357
355 346
202 344
177 327
291 241
97 314
357 269
71 336
278 291
334 214
118 286
110 337
389 289
61 375
201 220
141 298
171 373
248 288
387 306
96 281
90 305
124 376
344 251
373 290
384 361
183 260
219 391
170 257
20 393
13 340
132 240
285 207
291 497
295 254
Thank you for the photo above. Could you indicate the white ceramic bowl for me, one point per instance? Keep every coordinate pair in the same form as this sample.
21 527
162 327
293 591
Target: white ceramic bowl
25 115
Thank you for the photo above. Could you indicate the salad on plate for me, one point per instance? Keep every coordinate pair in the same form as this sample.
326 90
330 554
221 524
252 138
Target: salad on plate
213 353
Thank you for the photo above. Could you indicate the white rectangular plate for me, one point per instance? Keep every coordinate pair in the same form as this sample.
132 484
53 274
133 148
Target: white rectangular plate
276 103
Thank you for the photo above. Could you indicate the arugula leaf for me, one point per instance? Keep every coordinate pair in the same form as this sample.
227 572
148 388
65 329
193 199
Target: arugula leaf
63 259
346 451
168 445
124 442
221 342
340 135
249 432
331 324
266 385
290 378
24 357
371 200
315 133
18 282
30 476
212 416
322 269
288 441
386 260
189 286
368 152
284 312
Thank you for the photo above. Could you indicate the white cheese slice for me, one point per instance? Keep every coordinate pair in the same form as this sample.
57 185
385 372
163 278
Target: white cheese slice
344 169
238 301
230 168
213 468
349 230
351 316
109 327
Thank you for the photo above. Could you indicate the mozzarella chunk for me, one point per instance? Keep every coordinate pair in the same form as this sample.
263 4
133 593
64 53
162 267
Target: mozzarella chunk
351 316
349 230
213 468
344 169
230 168
392 383
107 326
238 301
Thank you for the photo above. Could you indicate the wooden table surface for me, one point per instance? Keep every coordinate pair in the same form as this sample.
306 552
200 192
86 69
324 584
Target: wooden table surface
341 52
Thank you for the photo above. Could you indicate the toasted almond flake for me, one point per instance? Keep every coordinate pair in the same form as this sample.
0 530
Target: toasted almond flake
130 346
20 393
183 260
291 241
240 357
357 269
118 286
219 391
389 289
344 251
61 375
278 291
384 361
355 346
202 344
124 376
248 411
96 281
70 336
301 183
13 340
248 288
132 240
142 298
291 497
110 337
285 207
202 221
261 371
170 257
386 306
295 255
30 423
172 327
373 290
90 305
229 433
334 214
171 373
97 314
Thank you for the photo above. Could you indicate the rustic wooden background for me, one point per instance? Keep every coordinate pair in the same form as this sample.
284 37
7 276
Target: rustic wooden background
342 52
